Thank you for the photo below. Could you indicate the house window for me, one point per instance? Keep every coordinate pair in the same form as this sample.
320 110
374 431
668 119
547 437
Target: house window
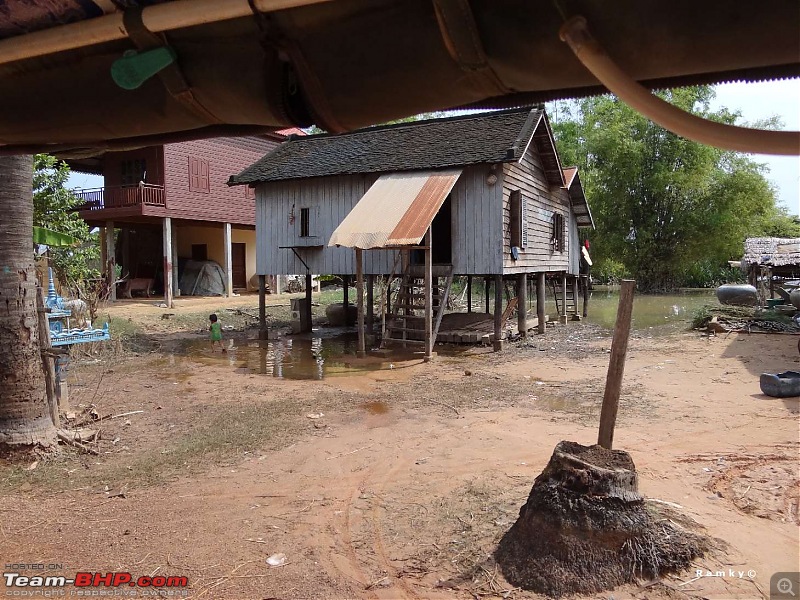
305 222
133 171
557 238
518 219
198 175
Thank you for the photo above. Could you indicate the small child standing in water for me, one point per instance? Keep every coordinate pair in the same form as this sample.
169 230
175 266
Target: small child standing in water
216 332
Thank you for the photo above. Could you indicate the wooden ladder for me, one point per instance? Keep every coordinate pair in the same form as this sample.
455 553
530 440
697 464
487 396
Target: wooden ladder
571 300
405 323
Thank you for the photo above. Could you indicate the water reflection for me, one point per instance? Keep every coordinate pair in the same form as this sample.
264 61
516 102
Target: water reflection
649 311
326 353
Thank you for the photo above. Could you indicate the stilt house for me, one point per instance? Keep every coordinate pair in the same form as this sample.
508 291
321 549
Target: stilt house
487 192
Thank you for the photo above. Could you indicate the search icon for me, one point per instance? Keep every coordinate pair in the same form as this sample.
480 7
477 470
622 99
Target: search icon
785 586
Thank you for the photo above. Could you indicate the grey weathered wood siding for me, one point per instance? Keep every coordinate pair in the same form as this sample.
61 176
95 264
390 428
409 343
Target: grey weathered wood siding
541 201
476 223
477 209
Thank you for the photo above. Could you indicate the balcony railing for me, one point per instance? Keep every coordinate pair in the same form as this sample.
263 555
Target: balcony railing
122 196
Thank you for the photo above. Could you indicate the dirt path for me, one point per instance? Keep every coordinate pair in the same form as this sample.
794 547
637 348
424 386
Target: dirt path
404 486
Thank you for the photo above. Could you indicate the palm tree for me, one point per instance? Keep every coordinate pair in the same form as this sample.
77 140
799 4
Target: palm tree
24 415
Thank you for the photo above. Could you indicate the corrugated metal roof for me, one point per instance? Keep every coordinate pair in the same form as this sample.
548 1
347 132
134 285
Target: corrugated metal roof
396 211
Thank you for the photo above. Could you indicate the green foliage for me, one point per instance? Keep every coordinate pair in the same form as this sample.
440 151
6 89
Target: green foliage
54 209
671 211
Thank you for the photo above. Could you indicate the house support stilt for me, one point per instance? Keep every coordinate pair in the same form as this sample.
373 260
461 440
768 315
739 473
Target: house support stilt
306 325
585 285
168 293
262 307
228 267
176 290
370 302
522 304
563 285
110 261
575 295
362 350
540 302
486 293
346 298
428 295
469 293
497 344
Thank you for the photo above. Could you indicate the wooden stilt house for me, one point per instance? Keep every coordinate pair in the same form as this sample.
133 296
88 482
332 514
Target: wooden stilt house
477 195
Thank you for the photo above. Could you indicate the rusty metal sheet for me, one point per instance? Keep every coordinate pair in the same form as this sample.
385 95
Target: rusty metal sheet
396 211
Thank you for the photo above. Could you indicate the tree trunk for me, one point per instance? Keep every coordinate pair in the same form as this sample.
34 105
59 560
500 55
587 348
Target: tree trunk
585 528
24 416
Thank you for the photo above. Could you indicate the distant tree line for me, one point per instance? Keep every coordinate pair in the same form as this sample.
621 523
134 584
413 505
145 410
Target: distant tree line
669 212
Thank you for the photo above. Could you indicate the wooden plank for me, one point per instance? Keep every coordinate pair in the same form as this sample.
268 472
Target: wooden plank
360 300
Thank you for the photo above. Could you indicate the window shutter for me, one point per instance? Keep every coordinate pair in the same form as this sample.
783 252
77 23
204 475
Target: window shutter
204 183
194 174
515 225
524 221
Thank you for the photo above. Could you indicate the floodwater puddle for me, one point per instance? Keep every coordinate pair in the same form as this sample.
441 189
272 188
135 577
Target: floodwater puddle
376 407
304 357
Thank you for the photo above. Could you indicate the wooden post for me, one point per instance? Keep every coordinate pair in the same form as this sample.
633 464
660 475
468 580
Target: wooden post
540 299
362 350
428 295
469 293
167 228
563 316
176 290
575 295
497 344
111 261
486 292
346 298
585 285
47 362
616 365
370 302
228 267
262 307
306 323
522 304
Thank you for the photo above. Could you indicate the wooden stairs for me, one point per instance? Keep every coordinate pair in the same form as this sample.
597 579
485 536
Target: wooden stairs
558 295
405 321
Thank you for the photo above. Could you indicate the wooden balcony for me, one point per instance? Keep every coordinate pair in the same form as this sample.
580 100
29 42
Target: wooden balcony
122 196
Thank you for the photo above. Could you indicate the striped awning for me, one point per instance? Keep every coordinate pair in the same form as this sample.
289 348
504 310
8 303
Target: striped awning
396 211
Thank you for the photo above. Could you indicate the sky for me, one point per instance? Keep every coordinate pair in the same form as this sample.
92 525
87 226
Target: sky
760 101
754 101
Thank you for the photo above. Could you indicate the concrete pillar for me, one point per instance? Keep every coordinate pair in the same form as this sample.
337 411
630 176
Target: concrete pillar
227 267
167 237
522 304
306 324
111 260
540 299
563 317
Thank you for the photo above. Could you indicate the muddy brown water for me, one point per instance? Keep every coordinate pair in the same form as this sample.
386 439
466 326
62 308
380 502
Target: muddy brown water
330 352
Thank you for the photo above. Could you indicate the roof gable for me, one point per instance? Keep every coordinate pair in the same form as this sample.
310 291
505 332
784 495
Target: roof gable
493 137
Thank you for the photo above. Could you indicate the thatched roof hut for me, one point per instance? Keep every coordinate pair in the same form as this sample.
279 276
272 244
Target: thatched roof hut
773 252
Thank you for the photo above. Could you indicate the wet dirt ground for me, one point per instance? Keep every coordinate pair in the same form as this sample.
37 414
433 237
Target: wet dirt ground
387 477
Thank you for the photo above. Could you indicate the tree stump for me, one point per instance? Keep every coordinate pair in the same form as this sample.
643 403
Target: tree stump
585 528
